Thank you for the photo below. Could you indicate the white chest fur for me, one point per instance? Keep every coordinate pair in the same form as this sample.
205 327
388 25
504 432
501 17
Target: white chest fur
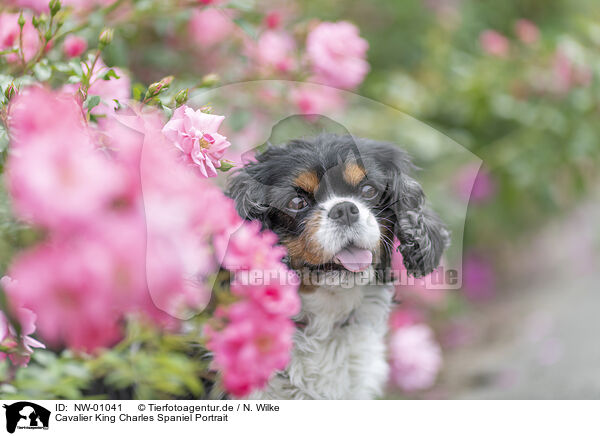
341 352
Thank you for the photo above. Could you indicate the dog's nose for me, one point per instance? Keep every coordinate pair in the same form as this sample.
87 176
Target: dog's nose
345 212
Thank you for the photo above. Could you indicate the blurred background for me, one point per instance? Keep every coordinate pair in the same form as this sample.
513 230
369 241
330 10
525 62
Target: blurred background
514 82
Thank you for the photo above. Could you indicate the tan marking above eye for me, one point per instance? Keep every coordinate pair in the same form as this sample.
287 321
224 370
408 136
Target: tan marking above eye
308 181
354 174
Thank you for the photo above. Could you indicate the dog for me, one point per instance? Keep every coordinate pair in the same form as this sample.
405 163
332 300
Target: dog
336 203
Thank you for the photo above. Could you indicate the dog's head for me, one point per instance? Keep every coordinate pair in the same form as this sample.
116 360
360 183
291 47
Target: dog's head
336 203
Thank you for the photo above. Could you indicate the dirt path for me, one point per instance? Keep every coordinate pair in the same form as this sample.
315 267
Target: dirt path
540 340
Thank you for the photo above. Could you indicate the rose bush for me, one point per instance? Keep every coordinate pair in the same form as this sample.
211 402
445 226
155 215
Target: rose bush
125 233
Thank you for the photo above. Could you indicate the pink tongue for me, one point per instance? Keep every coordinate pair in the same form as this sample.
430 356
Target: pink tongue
355 259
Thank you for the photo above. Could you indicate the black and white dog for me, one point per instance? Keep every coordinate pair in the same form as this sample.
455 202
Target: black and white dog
336 203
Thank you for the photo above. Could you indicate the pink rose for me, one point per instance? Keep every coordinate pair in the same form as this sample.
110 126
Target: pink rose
251 347
74 46
55 158
273 289
66 286
194 133
273 20
337 54
232 248
21 348
35 5
274 50
210 26
415 357
494 43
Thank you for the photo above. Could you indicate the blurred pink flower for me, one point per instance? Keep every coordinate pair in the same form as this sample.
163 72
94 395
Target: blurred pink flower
316 100
273 20
251 347
74 46
232 248
478 278
66 286
474 184
415 357
527 31
405 317
274 290
35 5
54 158
33 117
494 43
337 54
194 133
9 37
567 74
210 26
274 50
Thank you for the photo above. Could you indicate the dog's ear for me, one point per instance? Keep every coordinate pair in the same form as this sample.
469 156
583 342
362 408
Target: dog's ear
249 194
422 235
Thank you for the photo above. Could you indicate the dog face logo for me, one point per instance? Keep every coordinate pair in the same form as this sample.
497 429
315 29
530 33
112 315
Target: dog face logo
26 415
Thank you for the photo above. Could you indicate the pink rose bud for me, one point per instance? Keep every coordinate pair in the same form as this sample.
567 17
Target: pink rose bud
74 46
273 20
10 91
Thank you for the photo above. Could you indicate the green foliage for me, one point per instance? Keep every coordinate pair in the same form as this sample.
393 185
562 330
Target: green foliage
148 363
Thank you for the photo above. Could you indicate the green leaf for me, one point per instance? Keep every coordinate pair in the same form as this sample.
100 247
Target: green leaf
247 27
76 68
42 71
92 101
226 166
110 74
138 91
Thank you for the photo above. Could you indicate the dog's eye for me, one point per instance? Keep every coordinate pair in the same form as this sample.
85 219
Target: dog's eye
368 192
297 203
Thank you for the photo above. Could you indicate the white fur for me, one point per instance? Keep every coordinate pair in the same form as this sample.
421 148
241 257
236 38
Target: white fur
341 353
